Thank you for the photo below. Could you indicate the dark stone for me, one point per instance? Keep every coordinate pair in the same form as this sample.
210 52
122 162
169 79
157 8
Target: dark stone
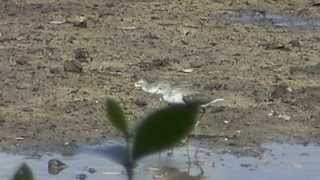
312 69
81 55
197 64
27 109
279 91
2 121
55 166
92 170
73 66
81 177
21 61
80 23
55 70
245 165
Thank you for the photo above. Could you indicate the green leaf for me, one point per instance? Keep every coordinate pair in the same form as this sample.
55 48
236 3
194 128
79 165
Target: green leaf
23 173
163 129
116 116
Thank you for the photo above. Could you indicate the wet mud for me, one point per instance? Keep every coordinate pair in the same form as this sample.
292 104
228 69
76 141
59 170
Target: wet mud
60 59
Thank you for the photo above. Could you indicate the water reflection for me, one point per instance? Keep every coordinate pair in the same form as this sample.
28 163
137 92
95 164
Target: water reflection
277 161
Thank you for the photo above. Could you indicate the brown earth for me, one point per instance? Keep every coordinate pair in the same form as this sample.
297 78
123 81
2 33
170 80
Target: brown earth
59 59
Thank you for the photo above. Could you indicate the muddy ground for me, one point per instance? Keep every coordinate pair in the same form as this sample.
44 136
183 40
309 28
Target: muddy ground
59 59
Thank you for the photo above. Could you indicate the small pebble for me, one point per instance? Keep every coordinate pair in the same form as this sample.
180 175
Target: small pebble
92 170
81 54
73 66
54 70
55 166
21 61
81 177
80 22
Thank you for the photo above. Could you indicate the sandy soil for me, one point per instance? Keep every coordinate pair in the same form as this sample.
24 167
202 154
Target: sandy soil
59 59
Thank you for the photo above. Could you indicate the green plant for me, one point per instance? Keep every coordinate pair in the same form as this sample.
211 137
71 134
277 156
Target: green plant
160 130
23 173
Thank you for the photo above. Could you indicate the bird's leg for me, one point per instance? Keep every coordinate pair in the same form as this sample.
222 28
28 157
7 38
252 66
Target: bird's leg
200 168
188 152
189 165
159 156
202 112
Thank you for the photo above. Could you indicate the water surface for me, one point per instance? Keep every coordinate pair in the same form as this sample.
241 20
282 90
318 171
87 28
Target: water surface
277 161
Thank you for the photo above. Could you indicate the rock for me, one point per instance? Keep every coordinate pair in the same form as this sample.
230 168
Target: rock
152 36
81 177
80 21
295 43
55 70
246 165
21 61
69 108
197 64
279 91
27 109
92 170
294 69
73 66
2 121
81 55
312 69
275 46
55 166
189 70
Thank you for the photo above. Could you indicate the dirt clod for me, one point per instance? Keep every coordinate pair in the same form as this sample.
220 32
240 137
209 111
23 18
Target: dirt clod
73 66
81 55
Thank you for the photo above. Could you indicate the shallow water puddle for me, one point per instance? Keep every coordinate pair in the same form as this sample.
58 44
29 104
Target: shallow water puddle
261 17
278 161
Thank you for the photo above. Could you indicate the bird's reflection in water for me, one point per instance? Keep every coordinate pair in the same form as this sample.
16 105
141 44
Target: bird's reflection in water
172 173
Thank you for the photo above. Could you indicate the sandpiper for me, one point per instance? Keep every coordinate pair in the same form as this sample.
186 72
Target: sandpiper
174 96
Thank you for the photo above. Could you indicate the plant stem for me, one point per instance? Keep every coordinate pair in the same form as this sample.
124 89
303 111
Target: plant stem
129 172
130 164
